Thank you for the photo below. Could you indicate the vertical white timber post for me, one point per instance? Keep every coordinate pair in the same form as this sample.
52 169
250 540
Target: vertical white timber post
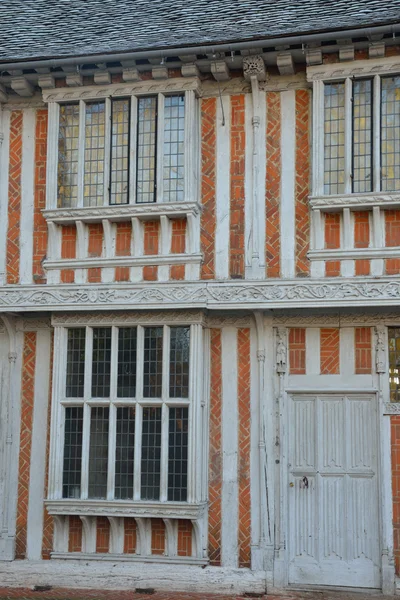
379 240
4 159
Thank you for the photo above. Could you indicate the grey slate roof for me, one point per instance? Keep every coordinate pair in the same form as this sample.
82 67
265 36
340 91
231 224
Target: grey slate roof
55 28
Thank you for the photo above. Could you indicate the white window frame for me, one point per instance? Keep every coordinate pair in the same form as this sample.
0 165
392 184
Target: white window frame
189 88
197 438
346 72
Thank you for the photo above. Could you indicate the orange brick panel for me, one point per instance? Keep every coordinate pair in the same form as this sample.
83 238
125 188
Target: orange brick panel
184 537
150 273
47 541
392 266
237 166
151 229
215 464
361 229
94 275
178 240
302 184
177 272
332 268
297 351
27 395
123 239
67 276
95 245
75 534
244 446
332 230
14 197
157 536
395 443
330 351
68 242
122 274
273 184
392 222
130 536
363 267
102 535
363 350
208 186
39 222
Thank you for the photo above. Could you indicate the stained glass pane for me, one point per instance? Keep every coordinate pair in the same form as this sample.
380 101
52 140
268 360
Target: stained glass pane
72 452
124 453
174 137
93 191
151 454
119 151
101 362
152 370
334 138
98 452
127 339
362 136
178 454
390 133
75 363
179 362
68 142
146 150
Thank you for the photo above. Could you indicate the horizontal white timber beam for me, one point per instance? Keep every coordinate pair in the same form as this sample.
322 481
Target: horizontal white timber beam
316 293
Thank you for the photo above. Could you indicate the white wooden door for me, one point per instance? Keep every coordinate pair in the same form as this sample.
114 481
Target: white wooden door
333 518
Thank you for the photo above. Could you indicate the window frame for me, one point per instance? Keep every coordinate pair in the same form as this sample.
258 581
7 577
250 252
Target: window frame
197 434
188 88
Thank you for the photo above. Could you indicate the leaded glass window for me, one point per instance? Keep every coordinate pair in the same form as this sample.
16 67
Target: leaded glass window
394 363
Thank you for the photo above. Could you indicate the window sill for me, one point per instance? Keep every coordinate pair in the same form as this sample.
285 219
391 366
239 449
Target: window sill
123 508
113 556
354 253
121 212
358 201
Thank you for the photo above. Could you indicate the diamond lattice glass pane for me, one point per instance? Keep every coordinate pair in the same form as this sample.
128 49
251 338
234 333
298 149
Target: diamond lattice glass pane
124 453
68 143
72 452
390 133
101 362
334 138
151 454
178 454
362 136
146 150
93 189
152 368
75 363
127 340
120 115
173 153
98 452
179 362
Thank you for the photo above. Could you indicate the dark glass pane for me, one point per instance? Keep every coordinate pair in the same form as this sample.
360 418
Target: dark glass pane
93 190
334 138
179 362
72 452
98 452
152 370
178 454
151 454
124 453
75 363
390 133
394 363
68 143
362 136
146 150
120 116
174 152
101 362
127 341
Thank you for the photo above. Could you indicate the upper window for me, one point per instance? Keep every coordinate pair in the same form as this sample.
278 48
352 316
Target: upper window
362 135
121 150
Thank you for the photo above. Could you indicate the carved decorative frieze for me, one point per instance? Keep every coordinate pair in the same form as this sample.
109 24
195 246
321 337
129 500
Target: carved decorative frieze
123 318
358 68
350 200
33 324
391 408
380 349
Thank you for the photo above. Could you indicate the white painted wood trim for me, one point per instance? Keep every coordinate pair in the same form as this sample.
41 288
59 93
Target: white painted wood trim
222 210
52 155
133 149
317 138
358 68
4 166
27 195
288 145
249 185
348 128
165 246
160 149
81 154
107 152
313 355
376 131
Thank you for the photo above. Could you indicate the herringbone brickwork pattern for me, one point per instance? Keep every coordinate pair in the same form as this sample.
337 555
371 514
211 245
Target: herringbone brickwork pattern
185 531
238 147
130 535
273 184
39 222
14 197
208 185
102 534
68 250
157 536
244 447
25 444
47 540
297 351
302 187
215 464
75 534
395 450
363 358
330 350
